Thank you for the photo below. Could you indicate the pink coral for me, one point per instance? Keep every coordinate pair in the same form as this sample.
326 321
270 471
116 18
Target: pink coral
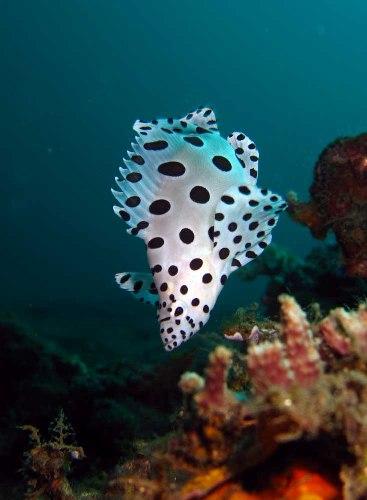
338 342
296 361
346 332
268 366
215 396
227 439
301 350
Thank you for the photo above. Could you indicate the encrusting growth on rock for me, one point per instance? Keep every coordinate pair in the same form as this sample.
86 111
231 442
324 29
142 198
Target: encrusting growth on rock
295 360
307 398
339 200
248 325
296 428
48 462
346 332
215 398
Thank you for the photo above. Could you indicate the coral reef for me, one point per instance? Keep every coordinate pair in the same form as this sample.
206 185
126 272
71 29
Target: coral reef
318 383
339 200
301 433
221 416
319 278
110 406
281 363
285 418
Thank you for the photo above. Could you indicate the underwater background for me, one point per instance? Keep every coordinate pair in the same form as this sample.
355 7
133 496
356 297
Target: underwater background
75 76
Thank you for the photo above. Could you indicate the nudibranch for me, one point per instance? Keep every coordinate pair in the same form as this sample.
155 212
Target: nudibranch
192 197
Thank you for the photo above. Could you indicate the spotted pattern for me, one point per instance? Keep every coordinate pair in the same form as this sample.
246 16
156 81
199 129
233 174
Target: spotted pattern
199 194
124 215
133 201
178 311
134 177
222 163
138 285
194 141
172 169
139 160
186 235
227 199
156 242
244 190
159 207
196 264
172 270
196 205
207 278
156 145
223 253
141 225
250 254
253 225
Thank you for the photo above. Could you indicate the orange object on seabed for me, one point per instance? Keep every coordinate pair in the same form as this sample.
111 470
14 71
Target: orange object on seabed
299 483
296 483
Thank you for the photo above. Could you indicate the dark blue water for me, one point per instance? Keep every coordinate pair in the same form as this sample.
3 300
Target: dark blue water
76 74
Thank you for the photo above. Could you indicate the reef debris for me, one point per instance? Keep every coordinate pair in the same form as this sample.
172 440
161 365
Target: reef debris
318 278
339 200
248 325
48 462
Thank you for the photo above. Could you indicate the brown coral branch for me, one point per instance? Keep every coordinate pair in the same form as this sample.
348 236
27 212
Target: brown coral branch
328 328
301 350
268 366
215 396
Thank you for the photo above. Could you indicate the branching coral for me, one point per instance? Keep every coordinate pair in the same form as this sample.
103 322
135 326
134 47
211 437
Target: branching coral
346 332
48 462
296 359
297 429
210 437
309 383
